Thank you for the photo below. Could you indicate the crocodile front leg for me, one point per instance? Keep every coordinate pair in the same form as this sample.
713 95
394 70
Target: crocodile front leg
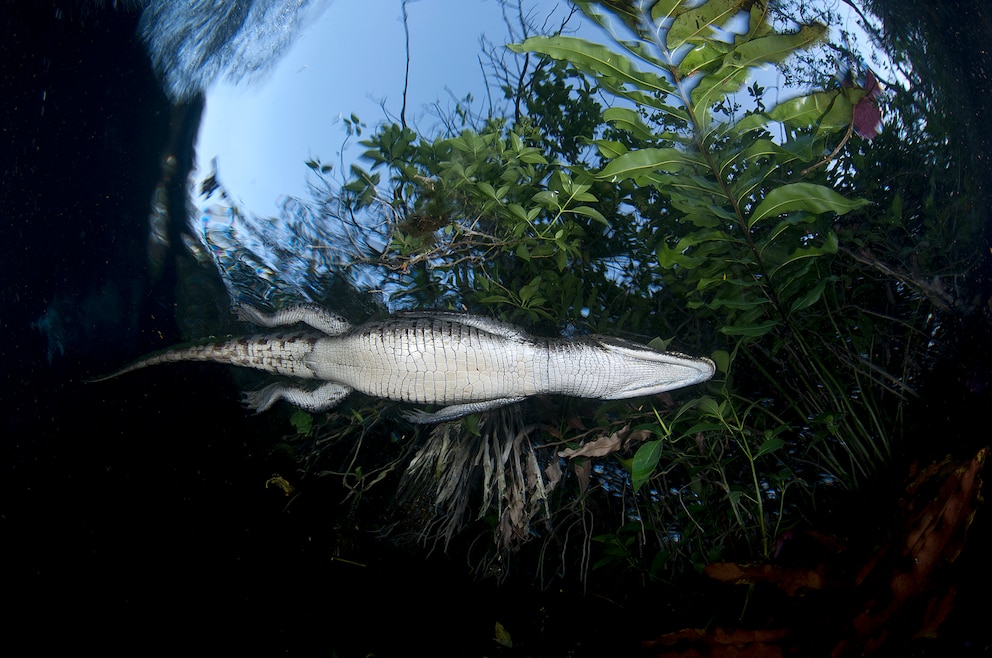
321 398
309 314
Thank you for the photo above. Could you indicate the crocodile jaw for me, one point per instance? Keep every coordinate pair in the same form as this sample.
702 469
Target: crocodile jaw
638 370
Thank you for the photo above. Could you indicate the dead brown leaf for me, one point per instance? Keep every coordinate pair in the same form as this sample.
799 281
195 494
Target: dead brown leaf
600 447
723 642
901 592
790 580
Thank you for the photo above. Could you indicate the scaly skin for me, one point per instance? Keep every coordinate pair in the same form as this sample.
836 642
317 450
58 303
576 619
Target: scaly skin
461 362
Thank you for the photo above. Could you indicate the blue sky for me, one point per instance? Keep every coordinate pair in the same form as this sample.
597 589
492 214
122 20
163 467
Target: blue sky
350 60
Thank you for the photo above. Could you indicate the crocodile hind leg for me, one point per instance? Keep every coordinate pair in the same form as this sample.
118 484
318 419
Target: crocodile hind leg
319 399
309 314
453 411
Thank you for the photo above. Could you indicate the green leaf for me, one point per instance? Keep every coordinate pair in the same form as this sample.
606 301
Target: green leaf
664 8
765 148
829 111
749 123
518 211
495 299
503 636
758 25
769 446
713 87
838 117
301 421
668 258
596 59
750 330
645 460
829 247
644 161
629 120
471 424
776 47
737 304
592 213
803 196
722 360
532 156
738 62
610 149
660 344
547 198
528 292
812 296
711 407
803 111
696 24
703 56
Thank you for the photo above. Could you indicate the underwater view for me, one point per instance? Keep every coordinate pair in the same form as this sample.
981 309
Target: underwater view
496 327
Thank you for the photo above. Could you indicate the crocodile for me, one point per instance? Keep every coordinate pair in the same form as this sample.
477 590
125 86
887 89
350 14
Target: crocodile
460 362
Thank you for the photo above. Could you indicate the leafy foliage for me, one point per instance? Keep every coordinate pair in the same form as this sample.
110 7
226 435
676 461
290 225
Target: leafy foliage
681 210
745 229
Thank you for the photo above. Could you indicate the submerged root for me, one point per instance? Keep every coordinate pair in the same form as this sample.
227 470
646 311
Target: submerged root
458 476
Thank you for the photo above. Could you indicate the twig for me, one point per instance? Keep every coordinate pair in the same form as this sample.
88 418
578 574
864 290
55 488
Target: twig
833 154
406 73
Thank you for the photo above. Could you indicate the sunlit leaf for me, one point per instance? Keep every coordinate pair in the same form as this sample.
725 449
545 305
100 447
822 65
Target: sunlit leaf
641 161
665 8
702 56
749 123
776 47
610 149
595 58
738 62
803 111
803 196
697 23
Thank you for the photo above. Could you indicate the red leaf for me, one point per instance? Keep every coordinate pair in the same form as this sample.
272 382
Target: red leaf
867 117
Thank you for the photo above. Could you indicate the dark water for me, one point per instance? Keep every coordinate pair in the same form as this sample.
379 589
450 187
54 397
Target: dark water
133 513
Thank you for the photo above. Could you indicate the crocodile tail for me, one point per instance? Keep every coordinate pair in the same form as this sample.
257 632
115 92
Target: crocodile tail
281 354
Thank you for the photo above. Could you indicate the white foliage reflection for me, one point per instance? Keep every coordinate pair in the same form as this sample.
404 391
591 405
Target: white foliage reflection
195 42
290 257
